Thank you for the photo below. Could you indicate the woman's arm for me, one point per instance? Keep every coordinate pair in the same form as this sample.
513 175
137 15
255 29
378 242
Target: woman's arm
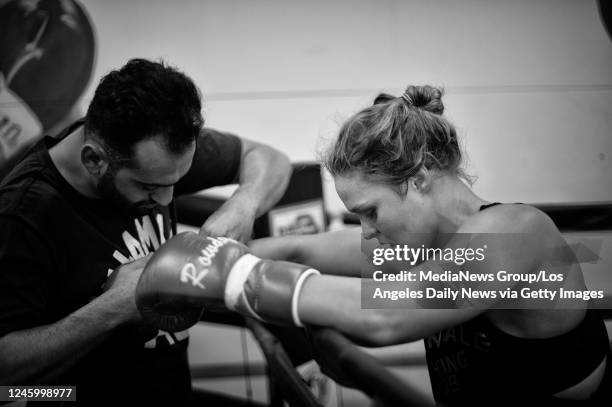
336 301
338 252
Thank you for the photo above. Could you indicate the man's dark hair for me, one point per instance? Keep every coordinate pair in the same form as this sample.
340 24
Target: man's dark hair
144 99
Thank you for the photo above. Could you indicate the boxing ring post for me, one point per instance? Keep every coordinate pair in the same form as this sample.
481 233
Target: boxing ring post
285 383
350 366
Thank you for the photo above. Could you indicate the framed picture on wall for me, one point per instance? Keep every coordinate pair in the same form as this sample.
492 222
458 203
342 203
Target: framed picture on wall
297 219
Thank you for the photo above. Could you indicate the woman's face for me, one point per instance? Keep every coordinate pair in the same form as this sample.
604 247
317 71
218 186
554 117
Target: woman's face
387 215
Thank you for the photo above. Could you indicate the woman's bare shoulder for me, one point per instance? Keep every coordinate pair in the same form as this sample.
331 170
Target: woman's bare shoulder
510 218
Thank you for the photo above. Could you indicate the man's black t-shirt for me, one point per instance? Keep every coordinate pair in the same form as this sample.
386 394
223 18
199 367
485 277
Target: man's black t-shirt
57 248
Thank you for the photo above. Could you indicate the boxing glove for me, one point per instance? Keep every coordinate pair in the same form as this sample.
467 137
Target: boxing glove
191 272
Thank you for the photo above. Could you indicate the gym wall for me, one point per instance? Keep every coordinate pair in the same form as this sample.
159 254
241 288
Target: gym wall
528 83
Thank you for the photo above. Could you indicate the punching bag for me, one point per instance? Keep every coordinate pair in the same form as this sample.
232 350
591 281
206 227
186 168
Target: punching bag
47 53
605 13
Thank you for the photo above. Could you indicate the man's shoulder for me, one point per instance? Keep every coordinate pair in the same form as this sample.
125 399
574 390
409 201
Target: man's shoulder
212 132
216 162
29 196
213 138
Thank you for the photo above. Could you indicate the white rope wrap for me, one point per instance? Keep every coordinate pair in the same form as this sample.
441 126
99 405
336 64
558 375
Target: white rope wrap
296 295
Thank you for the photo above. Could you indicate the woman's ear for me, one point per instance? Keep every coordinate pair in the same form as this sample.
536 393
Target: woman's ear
94 158
421 181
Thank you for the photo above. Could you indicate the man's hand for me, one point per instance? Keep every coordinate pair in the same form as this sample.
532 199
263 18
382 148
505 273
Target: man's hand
263 177
234 220
121 285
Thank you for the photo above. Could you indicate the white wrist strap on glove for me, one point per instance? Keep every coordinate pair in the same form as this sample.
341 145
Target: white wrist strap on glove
234 289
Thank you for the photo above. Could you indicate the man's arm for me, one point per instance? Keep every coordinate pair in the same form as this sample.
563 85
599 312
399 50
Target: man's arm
263 177
39 354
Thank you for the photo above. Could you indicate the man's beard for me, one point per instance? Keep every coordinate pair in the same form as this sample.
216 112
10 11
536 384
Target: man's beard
107 190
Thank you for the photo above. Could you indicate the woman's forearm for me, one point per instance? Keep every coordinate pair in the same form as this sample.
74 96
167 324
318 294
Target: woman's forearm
336 253
335 302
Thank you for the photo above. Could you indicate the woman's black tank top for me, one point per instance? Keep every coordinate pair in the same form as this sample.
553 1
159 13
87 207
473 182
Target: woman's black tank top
476 363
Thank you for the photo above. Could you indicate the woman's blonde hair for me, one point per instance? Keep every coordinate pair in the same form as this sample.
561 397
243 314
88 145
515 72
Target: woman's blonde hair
396 137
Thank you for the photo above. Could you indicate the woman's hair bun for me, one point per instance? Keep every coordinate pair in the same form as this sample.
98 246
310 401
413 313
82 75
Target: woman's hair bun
426 97
383 98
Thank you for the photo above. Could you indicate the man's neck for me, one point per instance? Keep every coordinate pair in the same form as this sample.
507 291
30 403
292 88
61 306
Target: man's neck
66 155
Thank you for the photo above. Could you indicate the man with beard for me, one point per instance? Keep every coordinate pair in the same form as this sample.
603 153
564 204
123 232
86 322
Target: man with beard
95 202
